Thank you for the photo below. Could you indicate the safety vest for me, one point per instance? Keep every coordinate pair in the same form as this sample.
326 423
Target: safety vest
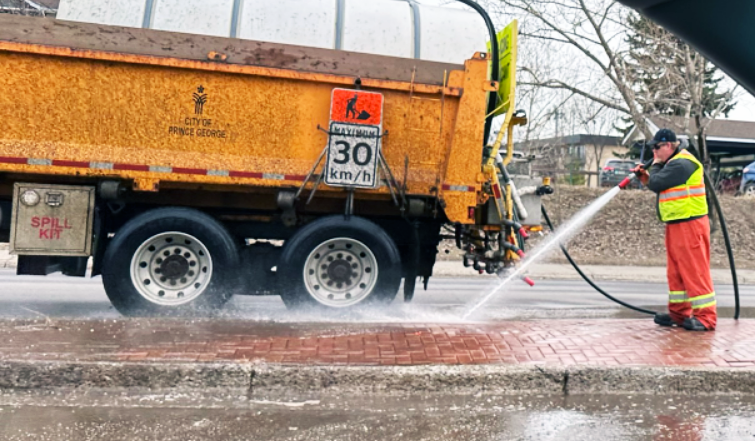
687 200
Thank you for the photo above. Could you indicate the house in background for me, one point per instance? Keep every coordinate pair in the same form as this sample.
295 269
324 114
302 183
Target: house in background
576 158
730 143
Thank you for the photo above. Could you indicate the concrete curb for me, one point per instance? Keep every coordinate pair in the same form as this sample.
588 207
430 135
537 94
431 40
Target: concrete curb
55 374
463 380
263 379
660 380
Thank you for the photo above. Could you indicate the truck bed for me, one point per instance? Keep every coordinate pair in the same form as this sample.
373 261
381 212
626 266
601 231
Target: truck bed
147 42
109 102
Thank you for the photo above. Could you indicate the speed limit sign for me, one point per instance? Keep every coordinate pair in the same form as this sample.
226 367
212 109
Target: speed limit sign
353 152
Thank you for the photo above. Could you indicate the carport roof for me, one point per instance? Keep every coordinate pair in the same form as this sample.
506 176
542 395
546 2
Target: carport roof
724 137
719 129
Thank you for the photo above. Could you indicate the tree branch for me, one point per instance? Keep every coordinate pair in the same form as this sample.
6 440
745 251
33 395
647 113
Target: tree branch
557 84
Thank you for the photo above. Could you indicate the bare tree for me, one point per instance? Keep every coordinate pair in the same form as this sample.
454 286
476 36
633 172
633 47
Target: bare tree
676 81
590 60
596 119
590 37
27 7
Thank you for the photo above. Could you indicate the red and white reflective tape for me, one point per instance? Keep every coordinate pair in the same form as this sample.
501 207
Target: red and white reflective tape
464 188
148 168
115 166
497 191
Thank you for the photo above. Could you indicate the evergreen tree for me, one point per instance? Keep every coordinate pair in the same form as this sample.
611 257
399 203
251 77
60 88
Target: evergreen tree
658 66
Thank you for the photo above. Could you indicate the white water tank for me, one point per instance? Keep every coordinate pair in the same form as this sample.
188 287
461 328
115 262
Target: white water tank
399 28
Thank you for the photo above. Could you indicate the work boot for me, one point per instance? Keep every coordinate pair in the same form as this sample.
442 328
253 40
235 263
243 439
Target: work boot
663 320
693 324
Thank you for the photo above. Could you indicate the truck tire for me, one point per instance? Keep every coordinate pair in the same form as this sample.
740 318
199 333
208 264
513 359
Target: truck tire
339 262
170 261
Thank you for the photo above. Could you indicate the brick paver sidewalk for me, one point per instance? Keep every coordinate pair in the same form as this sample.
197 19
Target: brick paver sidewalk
607 342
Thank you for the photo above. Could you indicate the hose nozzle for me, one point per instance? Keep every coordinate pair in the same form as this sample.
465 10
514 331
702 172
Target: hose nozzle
623 184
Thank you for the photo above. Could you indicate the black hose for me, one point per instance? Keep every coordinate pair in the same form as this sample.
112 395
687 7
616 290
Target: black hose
586 278
711 190
495 69
727 242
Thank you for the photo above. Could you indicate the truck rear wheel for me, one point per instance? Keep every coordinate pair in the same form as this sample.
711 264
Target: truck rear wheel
170 261
339 262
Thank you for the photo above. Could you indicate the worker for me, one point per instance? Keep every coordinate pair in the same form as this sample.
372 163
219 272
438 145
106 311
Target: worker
351 106
677 177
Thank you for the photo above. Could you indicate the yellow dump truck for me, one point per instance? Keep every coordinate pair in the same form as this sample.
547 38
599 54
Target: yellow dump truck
187 168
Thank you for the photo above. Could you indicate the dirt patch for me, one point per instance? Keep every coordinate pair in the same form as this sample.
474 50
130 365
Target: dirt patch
628 232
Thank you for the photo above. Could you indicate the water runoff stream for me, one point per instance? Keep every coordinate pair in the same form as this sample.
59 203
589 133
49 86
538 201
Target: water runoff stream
561 235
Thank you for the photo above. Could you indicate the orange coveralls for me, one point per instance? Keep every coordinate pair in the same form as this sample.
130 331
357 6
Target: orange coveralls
688 270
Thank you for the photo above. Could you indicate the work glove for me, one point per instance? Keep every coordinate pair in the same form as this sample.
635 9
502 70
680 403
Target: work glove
641 174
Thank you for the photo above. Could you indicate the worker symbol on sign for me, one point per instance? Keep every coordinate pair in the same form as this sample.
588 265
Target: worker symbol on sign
356 107
351 109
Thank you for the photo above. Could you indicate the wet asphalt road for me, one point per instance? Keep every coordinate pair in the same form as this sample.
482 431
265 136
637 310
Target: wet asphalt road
58 296
536 418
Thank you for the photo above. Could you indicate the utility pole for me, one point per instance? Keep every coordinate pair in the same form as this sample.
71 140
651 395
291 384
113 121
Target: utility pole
557 115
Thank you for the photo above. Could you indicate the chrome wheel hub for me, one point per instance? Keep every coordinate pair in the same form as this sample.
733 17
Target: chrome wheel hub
171 269
340 272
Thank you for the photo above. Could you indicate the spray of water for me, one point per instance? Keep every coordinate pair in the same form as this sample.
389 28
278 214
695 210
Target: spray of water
561 235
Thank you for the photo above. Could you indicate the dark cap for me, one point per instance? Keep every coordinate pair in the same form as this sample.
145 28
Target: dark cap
663 135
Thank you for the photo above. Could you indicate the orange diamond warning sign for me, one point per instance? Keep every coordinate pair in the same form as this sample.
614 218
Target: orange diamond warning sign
356 107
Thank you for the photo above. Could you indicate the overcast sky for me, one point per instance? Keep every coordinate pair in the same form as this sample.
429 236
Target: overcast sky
743 111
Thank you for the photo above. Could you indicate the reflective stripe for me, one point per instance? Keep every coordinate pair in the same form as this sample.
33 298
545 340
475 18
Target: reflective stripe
668 194
703 301
713 303
677 297
678 194
690 197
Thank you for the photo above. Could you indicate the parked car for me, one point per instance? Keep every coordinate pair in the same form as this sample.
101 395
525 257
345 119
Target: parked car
747 186
729 182
615 171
